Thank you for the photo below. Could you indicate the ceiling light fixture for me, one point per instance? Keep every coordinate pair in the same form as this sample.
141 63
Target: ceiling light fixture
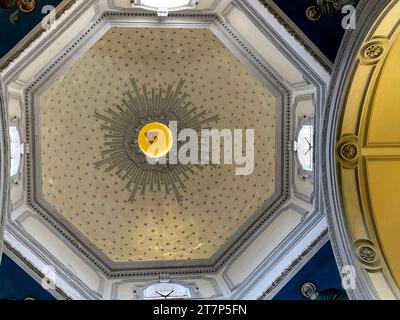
163 7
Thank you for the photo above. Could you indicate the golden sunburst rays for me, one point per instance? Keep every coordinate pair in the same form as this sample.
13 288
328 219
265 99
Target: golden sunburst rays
122 124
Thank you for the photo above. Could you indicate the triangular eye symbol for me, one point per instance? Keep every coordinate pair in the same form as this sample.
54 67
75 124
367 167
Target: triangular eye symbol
151 136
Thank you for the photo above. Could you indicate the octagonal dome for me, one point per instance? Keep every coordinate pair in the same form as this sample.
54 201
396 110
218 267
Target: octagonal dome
214 201
86 204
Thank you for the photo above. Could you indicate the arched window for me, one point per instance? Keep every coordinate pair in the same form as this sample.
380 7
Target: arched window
305 146
15 147
164 6
166 291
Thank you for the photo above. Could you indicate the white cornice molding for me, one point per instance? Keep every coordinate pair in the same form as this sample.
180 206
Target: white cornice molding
4 166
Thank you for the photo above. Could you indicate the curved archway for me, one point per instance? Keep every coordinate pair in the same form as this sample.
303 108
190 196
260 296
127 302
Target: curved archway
4 167
362 150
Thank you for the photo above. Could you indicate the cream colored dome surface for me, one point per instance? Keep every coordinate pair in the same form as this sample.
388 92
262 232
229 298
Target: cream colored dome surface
155 226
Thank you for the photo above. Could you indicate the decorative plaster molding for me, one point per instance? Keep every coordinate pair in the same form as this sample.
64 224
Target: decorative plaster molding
143 282
17 232
368 13
4 166
299 35
271 258
295 265
23 263
37 203
296 126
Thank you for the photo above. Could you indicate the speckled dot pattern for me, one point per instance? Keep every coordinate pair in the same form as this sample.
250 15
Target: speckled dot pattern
215 203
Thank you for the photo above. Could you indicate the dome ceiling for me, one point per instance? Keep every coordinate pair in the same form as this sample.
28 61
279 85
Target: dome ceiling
364 109
215 202
85 201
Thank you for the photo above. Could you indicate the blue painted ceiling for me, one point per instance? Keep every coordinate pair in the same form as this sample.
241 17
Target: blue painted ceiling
12 33
16 284
326 33
320 270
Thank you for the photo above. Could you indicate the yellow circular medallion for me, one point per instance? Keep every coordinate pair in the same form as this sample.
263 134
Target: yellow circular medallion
155 139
